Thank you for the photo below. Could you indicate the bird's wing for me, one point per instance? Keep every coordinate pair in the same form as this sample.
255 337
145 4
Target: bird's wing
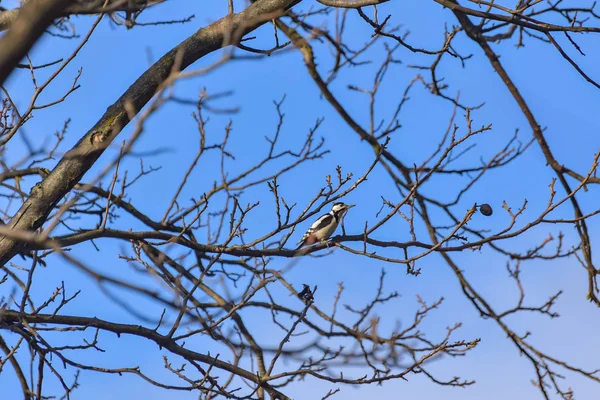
323 221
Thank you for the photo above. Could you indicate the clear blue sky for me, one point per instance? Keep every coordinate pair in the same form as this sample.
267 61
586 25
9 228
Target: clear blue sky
562 101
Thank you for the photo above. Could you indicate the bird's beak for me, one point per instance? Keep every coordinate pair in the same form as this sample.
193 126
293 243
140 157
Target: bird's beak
350 206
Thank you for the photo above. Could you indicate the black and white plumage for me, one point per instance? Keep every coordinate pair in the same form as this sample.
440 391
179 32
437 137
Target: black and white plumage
325 225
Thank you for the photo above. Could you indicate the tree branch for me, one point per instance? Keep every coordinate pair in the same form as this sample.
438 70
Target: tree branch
9 316
71 168
29 25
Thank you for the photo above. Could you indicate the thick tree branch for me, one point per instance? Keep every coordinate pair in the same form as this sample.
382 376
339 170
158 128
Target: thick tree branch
81 157
90 7
351 3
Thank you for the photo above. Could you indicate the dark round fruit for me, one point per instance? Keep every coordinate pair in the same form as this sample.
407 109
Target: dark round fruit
486 209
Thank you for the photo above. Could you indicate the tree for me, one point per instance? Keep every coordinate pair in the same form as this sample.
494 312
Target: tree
186 227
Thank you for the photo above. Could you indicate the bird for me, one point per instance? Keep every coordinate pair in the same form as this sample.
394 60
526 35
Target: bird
325 225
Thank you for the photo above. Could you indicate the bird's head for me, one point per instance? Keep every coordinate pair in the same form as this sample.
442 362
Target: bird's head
341 209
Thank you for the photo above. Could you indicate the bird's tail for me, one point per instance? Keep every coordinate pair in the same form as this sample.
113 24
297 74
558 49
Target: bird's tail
304 244
300 244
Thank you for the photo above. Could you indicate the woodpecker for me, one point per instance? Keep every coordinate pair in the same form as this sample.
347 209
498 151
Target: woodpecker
323 228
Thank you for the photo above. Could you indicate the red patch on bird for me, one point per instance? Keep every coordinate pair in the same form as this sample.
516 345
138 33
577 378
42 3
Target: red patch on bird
310 240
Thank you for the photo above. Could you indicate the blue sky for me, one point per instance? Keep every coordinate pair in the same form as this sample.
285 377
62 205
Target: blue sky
562 101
